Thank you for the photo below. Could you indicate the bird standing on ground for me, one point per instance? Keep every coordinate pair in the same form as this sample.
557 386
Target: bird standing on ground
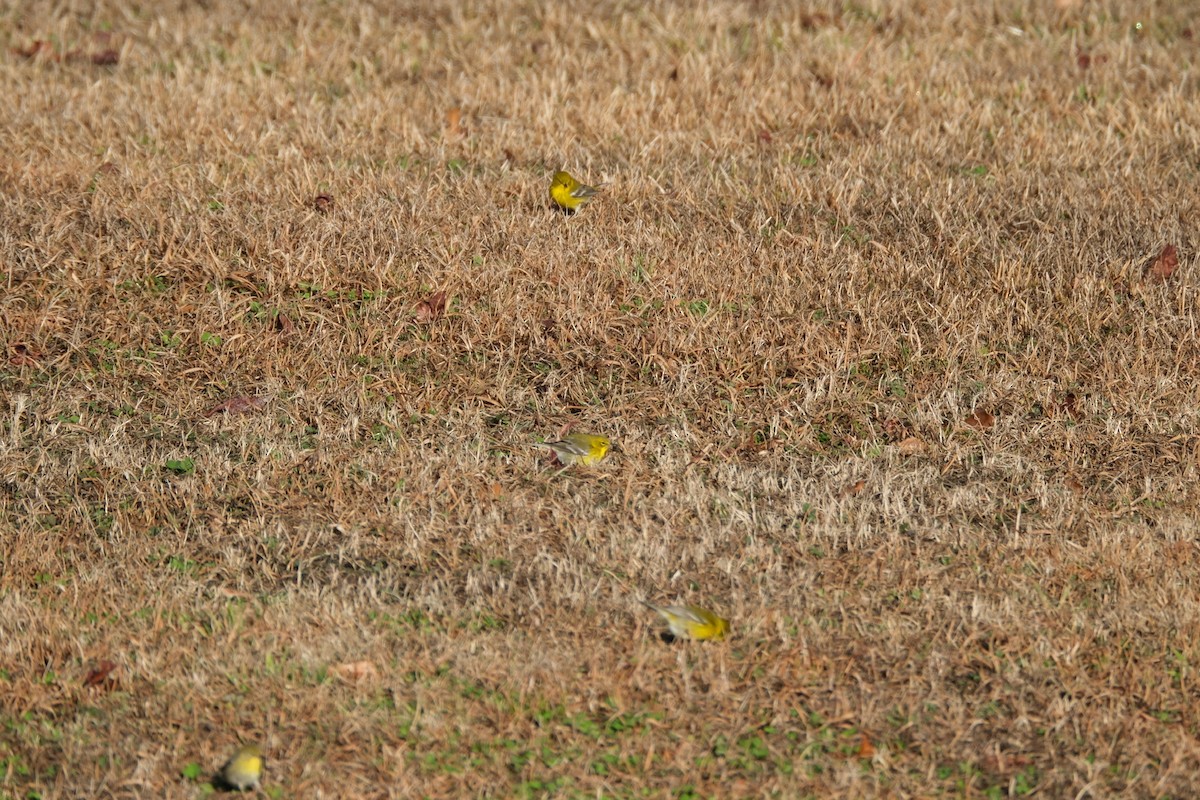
568 193
244 769
584 449
692 622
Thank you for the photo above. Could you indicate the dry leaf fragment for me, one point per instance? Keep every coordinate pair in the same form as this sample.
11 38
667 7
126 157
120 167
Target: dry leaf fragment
323 203
431 308
892 428
911 446
24 356
865 748
37 48
853 489
106 58
1164 265
1070 406
355 671
812 22
99 674
1000 763
981 420
284 324
242 404
454 123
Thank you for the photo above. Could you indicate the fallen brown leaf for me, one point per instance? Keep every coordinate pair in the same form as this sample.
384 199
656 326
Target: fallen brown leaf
755 444
981 420
99 674
431 308
814 21
355 671
106 58
853 489
1070 406
242 404
1164 265
892 428
38 47
1001 763
284 324
323 203
865 748
24 356
454 123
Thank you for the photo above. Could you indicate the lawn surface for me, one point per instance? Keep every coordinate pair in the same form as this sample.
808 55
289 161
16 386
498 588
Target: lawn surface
891 312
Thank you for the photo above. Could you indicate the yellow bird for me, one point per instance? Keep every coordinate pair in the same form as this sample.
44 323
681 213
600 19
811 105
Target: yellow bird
244 769
568 193
692 622
584 449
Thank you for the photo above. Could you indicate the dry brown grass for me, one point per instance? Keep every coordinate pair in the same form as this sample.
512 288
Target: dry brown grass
863 304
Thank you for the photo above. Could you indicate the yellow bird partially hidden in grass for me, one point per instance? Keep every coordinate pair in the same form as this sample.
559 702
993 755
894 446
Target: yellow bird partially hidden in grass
244 770
568 193
692 622
584 449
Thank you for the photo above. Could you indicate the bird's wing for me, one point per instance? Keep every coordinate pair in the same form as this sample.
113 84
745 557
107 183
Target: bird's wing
693 614
685 613
567 446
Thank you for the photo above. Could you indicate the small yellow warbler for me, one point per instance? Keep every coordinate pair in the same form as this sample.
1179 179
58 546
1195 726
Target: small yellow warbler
585 449
568 193
692 622
244 770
